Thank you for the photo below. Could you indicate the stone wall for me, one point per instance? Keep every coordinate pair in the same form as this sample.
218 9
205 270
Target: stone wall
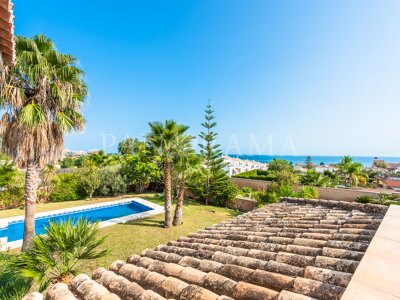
243 204
337 194
367 208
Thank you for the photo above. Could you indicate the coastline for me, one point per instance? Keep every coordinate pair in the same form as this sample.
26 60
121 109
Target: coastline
317 159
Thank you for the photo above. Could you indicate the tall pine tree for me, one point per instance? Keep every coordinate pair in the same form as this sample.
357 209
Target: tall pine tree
215 175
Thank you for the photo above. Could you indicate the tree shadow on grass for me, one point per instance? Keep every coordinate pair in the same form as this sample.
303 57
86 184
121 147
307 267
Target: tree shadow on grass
147 222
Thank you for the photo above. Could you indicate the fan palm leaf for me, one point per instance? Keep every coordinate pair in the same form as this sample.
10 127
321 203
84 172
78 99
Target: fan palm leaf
41 98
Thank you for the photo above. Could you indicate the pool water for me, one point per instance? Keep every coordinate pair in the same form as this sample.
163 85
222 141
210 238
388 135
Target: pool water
15 230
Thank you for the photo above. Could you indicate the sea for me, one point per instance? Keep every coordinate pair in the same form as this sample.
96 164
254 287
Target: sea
295 159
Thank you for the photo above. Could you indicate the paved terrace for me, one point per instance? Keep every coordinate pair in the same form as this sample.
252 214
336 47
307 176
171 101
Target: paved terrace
296 249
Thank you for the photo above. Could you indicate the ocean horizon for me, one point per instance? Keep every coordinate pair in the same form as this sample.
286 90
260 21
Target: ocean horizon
317 159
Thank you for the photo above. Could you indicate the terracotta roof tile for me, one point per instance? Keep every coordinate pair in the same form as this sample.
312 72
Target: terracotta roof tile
298 250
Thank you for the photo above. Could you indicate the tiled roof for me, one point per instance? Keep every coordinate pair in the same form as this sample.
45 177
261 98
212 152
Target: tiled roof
294 250
7 44
392 183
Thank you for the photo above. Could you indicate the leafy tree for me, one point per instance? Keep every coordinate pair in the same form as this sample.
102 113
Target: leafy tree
42 100
81 161
213 162
140 171
67 162
131 146
112 181
61 253
67 187
185 165
280 165
90 179
46 184
286 178
126 146
314 178
309 163
351 170
8 172
98 158
162 140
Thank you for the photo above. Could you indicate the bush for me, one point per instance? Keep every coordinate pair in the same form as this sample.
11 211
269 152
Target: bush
225 193
265 197
365 199
61 253
257 175
13 194
308 192
246 191
13 285
67 187
111 181
262 173
280 165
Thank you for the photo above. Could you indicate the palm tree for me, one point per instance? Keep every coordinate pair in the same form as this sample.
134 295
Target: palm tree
61 253
41 100
186 164
350 169
163 142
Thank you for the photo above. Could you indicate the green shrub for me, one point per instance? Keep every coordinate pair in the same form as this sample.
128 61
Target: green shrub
261 172
365 199
13 286
111 181
308 192
280 165
67 187
246 191
61 253
13 194
265 197
387 197
225 193
257 175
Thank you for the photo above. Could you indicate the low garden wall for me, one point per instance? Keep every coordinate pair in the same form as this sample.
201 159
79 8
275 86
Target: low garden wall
337 194
243 204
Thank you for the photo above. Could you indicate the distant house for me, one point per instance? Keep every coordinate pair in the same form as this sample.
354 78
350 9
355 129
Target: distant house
7 43
300 168
330 168
394 167
236 166
391 183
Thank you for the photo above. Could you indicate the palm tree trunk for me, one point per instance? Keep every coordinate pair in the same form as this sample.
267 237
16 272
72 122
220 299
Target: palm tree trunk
31 187
179 205
167 192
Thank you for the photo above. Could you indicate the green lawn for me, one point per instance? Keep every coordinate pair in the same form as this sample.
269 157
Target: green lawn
135 236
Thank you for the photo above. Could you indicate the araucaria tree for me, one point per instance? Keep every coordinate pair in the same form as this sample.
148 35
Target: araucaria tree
41 100
163 140
309 163
215 175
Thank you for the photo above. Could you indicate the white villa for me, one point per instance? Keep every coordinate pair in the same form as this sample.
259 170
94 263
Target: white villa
235 166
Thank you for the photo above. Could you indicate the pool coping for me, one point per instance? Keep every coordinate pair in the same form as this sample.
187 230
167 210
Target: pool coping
155 210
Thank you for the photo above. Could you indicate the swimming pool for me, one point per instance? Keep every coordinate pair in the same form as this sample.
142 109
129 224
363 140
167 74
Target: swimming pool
108 213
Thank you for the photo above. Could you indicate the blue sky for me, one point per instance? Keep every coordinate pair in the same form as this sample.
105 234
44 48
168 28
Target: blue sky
285 77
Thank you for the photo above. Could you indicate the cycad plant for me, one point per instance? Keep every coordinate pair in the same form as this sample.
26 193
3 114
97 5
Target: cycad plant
61 252
13 286
41 100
